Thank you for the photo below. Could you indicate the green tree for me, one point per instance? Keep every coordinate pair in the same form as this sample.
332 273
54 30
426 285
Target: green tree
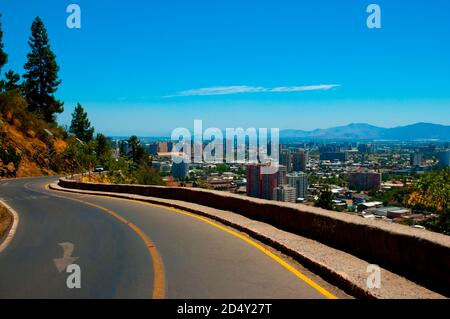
80 125
147 175
325 200
123 149
102 149
41 77
12 79
78 157
221 168
136 151
10 155
432 193
3 55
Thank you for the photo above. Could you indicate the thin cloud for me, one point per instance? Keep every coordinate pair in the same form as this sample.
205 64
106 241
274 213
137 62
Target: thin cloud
241 89
221 90
321 87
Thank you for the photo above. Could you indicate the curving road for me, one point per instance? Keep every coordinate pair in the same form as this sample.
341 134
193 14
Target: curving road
129 249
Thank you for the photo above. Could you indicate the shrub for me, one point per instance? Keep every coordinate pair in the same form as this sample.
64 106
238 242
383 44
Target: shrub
10 155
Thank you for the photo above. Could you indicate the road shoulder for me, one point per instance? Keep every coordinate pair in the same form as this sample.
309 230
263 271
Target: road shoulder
9 221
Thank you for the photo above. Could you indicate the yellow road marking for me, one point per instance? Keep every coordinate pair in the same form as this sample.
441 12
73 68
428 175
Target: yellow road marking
158 266
280 261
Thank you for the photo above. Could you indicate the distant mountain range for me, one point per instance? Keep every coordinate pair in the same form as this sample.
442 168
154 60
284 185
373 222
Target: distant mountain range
362 131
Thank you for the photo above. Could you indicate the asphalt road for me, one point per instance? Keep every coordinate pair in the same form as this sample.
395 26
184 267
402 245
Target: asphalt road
130 249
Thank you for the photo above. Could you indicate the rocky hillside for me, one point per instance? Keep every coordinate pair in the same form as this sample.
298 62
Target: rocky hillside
28 146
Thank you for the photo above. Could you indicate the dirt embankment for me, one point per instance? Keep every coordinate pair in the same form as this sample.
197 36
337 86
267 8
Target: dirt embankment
29 146
31 155
6 221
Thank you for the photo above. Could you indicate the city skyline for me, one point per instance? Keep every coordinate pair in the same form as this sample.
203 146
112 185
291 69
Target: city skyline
314 66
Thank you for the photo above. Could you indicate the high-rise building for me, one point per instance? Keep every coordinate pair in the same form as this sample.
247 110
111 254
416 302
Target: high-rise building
253 180
268 183
415 159
153 149
366 148
284 193
261 185
285 159
180 167
444 158
332 156
281 175
299 181
163 147
364 181
330 148
169 146
299 161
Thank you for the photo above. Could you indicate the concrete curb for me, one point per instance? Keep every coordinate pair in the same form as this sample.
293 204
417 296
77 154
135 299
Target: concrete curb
12 231
339 268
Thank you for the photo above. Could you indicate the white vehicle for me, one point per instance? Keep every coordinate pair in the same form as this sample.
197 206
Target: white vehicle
99 169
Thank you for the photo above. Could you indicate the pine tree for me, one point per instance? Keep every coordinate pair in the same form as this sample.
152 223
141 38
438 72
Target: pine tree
12 79
102 147
80 126
41 77
136 152
3 55
123 148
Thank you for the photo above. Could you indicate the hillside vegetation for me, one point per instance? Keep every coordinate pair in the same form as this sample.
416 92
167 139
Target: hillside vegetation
26 148
31 143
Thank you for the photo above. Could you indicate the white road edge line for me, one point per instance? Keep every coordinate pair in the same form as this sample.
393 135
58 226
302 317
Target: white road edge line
9 237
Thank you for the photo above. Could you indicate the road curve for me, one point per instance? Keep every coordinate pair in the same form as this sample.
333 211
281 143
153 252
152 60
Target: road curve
129 249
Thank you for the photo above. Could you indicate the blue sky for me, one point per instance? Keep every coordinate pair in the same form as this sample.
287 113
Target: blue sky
146 67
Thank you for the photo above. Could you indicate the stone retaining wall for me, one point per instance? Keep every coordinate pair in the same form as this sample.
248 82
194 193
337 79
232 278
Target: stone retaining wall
419 255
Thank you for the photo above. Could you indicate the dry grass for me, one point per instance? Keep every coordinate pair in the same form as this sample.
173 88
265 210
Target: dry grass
34 151
95 178
60 146
5 221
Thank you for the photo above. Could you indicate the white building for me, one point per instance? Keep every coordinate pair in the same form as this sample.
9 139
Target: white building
284 193
299 181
